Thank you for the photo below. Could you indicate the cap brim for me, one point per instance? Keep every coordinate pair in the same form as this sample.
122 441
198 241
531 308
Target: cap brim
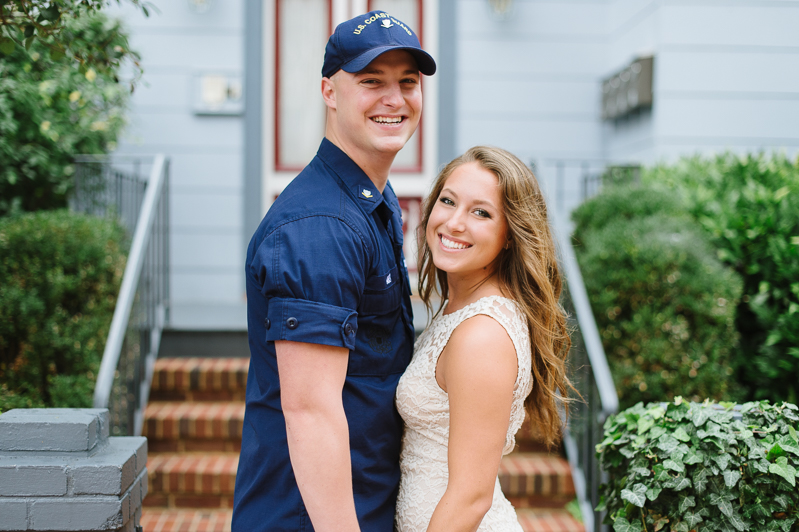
424 61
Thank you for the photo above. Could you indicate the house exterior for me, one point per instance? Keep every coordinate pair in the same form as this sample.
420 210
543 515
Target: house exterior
231 94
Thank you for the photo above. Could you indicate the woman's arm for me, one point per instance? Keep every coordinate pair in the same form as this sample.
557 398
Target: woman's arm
478 370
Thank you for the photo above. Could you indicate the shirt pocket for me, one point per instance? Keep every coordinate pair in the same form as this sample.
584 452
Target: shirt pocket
380 328
381 294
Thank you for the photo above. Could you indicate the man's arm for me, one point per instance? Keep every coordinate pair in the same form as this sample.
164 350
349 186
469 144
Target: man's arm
311 382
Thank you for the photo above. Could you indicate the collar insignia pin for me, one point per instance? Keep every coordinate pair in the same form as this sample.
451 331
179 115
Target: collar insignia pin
366 193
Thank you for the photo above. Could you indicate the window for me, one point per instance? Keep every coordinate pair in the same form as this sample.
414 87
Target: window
302 28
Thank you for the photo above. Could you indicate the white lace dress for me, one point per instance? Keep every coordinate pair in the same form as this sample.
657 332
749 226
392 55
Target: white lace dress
424 407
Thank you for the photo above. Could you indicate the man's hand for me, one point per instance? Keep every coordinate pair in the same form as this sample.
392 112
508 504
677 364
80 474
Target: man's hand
311 382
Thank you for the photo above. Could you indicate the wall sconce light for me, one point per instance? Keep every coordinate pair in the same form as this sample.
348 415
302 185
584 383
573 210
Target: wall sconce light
200 6
501 8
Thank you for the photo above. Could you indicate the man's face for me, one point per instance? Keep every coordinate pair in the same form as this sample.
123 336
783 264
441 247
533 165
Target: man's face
377 109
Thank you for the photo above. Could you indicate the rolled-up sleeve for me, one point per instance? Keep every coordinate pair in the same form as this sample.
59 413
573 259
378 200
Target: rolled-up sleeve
313 272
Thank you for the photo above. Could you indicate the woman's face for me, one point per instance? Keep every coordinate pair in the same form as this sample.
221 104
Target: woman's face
467 229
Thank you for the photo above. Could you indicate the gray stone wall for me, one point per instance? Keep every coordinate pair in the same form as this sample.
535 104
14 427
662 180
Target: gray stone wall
60 471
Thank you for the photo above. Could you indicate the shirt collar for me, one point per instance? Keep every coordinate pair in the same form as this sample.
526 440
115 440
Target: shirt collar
353 178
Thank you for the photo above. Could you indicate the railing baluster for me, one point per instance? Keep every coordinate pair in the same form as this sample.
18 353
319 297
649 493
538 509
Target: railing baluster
101 188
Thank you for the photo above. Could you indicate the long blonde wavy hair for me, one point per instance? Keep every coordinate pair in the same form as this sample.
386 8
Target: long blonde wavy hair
527 271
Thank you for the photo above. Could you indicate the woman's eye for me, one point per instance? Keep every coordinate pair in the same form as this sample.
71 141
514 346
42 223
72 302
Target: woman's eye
446 201
482 213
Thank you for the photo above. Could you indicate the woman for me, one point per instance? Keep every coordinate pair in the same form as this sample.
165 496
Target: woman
488 247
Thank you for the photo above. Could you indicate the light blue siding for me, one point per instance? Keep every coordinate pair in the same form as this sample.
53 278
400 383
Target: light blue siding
206 187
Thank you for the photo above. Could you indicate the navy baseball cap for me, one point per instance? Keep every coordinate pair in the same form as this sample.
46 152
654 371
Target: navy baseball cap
357 42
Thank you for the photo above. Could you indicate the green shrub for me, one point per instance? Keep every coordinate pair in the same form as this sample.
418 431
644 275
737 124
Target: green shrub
59 277
748 207
684 467
50 111
625 202
663 303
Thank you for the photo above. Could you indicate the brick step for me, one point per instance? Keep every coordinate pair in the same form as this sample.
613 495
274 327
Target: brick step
536 480
192 480
529 480
186 427
165 520
537 520
199 379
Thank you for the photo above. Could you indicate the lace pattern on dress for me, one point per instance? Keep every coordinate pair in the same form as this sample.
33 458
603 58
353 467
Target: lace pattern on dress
424 407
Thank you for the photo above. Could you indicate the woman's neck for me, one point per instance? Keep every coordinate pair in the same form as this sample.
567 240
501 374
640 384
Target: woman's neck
465 290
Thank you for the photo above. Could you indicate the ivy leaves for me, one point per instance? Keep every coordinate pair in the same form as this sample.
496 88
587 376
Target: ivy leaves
637 495
674 466
782 468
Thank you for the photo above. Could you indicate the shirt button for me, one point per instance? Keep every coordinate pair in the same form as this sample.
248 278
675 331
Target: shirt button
267 323
292 323
348 328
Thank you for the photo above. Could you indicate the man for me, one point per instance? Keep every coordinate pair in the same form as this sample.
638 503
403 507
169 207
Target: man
329 315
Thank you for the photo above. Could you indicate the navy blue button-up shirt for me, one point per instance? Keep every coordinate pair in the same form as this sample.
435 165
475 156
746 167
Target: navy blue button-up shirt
325 267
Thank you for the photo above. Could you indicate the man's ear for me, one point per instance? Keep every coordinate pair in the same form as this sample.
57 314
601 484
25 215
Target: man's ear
329 92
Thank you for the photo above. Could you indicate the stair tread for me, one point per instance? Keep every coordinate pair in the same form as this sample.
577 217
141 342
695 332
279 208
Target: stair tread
180 520
192 462
535 474
166 420
200 374
200 474
537 520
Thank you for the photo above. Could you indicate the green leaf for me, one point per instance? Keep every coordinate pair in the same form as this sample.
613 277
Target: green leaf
621 524
731 478
29 42
674 466
681 526
667 443
661 473
636 496
724 505
699 416
692 519
700 480
678 483
783 501
51 13
693 457
57 54
645 423
789 444
775 452
603 504
681 435
793 433
7 46
738 522
653 492
722 460
686 502
782 468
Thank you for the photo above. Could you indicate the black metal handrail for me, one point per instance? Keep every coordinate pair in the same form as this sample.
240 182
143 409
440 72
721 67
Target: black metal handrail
591 376
114 187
